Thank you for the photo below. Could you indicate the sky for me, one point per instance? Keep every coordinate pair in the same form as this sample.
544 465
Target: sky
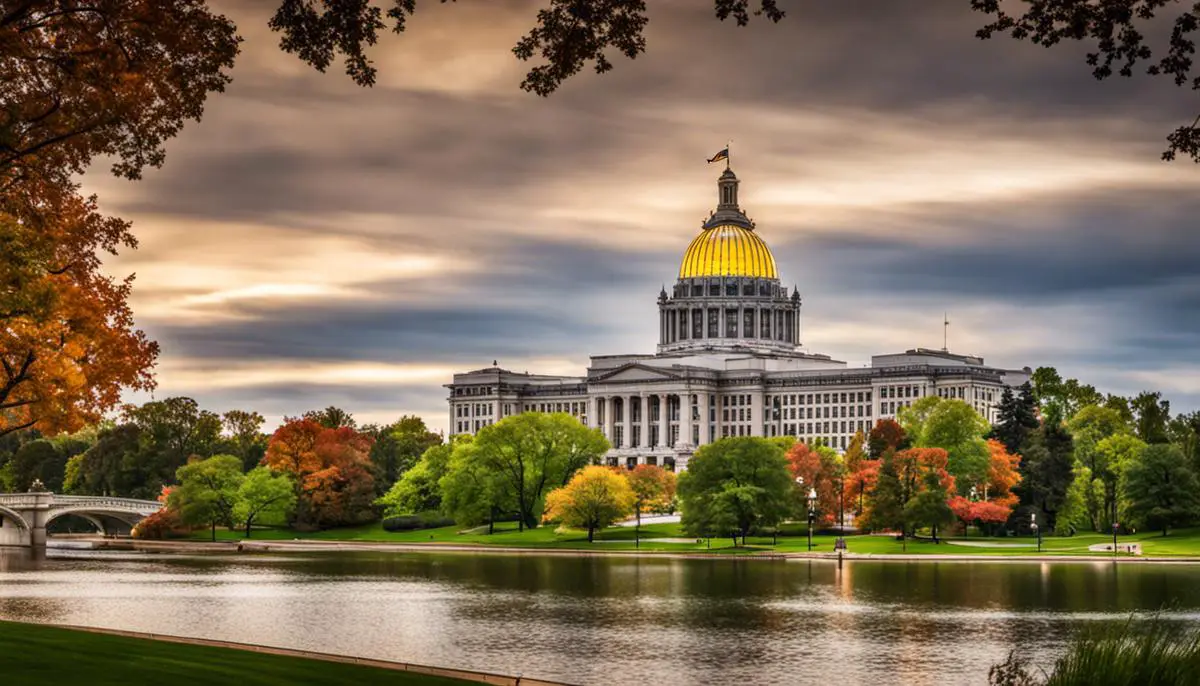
313 243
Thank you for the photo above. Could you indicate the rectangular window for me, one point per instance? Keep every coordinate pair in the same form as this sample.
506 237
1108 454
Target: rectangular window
731 323
714 323
748 322
765 325
697 323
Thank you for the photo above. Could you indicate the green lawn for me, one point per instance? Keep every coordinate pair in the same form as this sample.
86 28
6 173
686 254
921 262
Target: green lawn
1184 542
45 655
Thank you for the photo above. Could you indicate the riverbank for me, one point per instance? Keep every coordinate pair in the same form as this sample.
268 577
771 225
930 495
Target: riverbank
303 546
669 538
108 656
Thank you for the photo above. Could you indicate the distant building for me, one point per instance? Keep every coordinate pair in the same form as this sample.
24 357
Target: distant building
728 363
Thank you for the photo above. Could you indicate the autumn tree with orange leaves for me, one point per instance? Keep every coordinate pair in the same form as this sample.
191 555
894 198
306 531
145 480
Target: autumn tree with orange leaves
653 487
68 345
821 468
109 78
993 503
331 469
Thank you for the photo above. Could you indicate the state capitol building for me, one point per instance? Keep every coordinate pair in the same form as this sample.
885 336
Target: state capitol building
728 363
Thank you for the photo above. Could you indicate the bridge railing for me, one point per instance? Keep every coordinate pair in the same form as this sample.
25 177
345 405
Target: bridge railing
29 500
18 500
105 501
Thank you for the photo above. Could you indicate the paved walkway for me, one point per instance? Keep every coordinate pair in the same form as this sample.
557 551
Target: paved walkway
330 546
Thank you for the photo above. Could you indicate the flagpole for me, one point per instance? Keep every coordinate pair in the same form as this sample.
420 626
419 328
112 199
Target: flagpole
728 152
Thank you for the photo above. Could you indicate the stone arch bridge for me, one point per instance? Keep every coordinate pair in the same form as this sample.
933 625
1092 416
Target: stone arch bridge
24 516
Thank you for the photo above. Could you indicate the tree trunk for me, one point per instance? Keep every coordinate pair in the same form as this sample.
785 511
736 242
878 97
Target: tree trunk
591 532
249 521
214 530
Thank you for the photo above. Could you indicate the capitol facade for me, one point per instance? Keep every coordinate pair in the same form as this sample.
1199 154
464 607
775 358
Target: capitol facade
728 363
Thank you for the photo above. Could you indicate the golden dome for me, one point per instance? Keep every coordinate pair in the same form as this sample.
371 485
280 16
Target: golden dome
728 250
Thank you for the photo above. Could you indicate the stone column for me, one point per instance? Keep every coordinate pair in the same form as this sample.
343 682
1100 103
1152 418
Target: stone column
593 415
685 418
705 437
37 516
756 413
645 401
610 423
626 422
664 421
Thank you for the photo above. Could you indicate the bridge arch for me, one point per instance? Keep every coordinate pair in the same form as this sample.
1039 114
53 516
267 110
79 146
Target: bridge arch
96 516
14 530
7 515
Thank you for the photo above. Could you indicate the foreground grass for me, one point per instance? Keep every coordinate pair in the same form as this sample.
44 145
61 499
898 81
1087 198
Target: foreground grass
1181 543
1136 652
46 655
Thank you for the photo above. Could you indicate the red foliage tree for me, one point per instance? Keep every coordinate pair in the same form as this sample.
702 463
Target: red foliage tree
1002 475
822 470
331 468
887 434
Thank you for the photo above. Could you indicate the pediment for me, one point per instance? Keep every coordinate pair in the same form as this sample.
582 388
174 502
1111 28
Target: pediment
634 372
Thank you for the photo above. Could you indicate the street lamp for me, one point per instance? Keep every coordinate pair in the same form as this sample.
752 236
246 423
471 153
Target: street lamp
812 504
1033 525
1116 526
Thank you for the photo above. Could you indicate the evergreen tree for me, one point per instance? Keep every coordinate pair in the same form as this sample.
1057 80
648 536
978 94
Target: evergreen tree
1049 463
1161 489
887 499
1018 418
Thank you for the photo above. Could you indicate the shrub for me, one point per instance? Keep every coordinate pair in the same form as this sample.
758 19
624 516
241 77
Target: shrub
162 524
416 522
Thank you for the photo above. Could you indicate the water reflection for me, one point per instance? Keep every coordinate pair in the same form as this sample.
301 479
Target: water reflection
600 621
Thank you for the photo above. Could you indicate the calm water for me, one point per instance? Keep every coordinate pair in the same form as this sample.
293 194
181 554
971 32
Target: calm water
605 621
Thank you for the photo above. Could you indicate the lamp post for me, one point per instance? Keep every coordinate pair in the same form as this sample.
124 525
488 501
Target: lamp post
1116 526
812 504
1033 525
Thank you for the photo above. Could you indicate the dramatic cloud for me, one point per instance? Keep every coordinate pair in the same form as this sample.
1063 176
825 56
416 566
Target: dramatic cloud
313 243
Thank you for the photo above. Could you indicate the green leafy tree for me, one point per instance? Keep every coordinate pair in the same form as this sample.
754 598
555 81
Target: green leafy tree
1089 427
116 465
594 498
263 495
914 417
533 453
1160 488
928 506
419 490
1185 433
1065 397
332 418
1152 414
243 436
1118 452
398 447
955 426
171 431
208 491
735 485
471 493
38 460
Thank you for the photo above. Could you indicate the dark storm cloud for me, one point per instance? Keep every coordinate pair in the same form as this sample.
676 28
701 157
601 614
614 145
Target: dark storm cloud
530 297
1096 246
